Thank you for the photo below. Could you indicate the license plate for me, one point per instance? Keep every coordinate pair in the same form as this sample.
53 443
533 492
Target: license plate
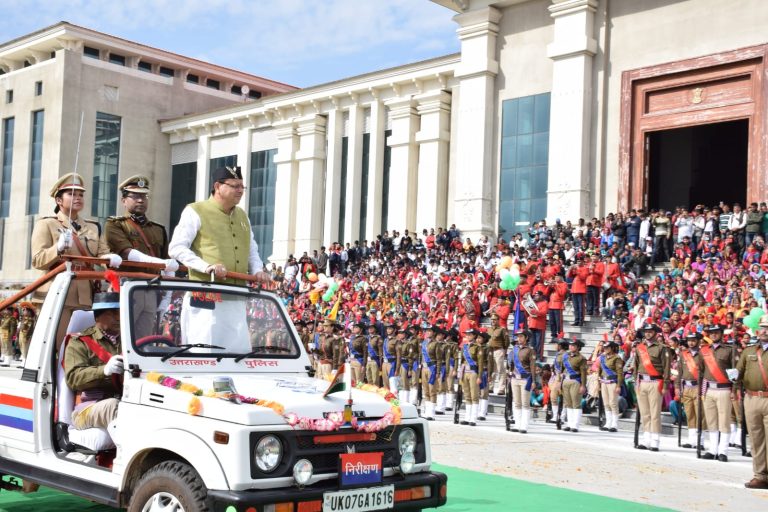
360 500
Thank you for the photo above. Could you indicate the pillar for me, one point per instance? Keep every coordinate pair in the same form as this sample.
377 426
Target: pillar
244 161
476 74
403 164
433 138
375 170
572 51
202 190
285 191
334 131
309 197
354 174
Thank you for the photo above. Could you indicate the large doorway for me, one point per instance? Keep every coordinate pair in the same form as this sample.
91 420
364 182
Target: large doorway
702 164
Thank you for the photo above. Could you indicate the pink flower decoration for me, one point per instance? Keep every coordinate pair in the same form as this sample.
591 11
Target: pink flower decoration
292 419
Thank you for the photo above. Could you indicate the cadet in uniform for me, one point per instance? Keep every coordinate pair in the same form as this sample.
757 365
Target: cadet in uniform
67 233
373 367
429 370
326 350
499 343
714 361
556 381
136 238
485 382
415 351
472 369
389 360
522 368
8 326
651 377
753 374
405 357
451 356
442 371
26 328
611 375
357 351
575 366
689 372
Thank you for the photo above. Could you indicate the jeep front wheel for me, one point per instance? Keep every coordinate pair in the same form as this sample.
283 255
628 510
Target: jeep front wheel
170 486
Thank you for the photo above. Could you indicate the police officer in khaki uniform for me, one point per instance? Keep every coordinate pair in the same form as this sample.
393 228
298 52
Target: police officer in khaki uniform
326 349
522 369
499 343
482 411
415 350
8 325
689 371
651 374
451 358
357 351
405 361
442 370
26 328
575 368
389 367
429 371
611 375
714 360
373 346
68 233
753 374
556 380
473 364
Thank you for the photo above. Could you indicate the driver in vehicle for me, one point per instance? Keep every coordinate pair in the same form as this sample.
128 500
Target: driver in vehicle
93 365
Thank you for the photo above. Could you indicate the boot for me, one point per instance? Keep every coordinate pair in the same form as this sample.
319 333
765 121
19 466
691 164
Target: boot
393 384
692 435
449 401
467 414
576 420
736 437
711 452
646 441
431 411
517 416
732 437
525 416
614 422
607 424
413 396
402 395
566 419
472 415
482 409
722 449
440 406
655 441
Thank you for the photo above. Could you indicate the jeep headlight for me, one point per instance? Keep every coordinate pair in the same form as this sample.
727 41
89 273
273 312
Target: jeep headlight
407 441
268 452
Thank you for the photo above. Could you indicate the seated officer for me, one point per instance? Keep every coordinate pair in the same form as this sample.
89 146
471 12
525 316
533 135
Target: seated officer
93 365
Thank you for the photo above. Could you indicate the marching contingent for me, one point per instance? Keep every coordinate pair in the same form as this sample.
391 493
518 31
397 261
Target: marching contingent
444 322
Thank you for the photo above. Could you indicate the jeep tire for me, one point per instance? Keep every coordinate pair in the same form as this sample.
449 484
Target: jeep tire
170 485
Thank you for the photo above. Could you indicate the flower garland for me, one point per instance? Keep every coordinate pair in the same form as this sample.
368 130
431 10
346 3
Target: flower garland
334 420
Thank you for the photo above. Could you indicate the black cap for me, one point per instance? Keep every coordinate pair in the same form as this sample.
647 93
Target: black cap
651 327
611 344
693 336
714 328
102 301
576 342
524 332
563 344
227 173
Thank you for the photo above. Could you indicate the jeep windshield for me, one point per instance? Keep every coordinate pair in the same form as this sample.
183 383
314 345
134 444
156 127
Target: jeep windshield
171 320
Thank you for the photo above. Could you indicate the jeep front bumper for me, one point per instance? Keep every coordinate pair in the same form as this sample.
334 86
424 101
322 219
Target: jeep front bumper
310 499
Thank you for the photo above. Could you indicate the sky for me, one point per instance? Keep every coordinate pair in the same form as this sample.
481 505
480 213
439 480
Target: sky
298 42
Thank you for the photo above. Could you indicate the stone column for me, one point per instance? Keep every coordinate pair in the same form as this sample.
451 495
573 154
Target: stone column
309 196
475 196
285 191
335 130
434 109
572 51
354 174
375 170
244 161
202 190
403 162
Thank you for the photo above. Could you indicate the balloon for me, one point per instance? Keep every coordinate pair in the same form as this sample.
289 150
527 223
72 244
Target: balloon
314 296
334 287
756 312
752 322
503 285
312 277
321 277
505 262
515 271
514 282
328 296
504 274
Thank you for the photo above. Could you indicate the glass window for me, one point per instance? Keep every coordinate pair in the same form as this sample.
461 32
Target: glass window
166 71
183 185
145 66
524 162
9 96
215 163
117 59
106 162
261 199
213 84
343 187
254 94
38 88
5 188
193 79
236 89
364 186
89 51
35 162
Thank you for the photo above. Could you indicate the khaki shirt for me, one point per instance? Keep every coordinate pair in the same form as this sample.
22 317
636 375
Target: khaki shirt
725 356
613 362
122 235
659 355
749 369
579 364
499 338
83 370
476 353
527 357
45 256
683 366
8 325
359 343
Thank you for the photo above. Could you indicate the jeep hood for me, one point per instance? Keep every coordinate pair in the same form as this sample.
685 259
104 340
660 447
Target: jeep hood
302 396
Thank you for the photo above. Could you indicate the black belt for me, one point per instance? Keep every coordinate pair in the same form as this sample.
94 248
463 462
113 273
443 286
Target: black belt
691 383
647 378
717 385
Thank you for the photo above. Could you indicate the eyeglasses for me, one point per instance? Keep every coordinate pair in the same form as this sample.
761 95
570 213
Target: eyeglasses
236 187
137 197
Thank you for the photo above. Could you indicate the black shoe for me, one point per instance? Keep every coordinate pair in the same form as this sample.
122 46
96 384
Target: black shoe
722 457
430 419
654 449
62 437
748 454
733 445
641 447
567 429
549 420
708 456
440 413
604 429
447 409
472 424
463 422
687 445
574 431
481 418
575 324
514 430
612 430
523 431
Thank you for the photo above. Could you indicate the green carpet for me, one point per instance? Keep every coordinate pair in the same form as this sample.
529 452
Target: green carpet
468 491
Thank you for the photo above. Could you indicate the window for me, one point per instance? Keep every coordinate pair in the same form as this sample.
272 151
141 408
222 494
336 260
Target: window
106 162
261 199
213 84
9 96
166 71
215 163
183 184
117 59
254 94
385 183
2 239
145 66
5 184
524 162
89 51
27 63
35 162
193 79
364 186
38 88
236 89
343 187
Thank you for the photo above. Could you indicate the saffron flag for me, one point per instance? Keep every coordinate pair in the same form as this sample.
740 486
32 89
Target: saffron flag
334 311
338 383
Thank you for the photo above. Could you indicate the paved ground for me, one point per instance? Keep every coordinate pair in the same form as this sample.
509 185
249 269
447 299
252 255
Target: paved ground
600 463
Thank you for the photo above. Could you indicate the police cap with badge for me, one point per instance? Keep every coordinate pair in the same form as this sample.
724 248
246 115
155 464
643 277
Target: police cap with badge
136 184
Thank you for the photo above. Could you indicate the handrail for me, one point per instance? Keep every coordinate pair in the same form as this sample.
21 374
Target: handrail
33 286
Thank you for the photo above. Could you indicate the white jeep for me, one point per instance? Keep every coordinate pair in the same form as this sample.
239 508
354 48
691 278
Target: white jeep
219 412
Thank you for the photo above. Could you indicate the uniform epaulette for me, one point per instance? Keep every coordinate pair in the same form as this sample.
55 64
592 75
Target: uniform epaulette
98 226
116 218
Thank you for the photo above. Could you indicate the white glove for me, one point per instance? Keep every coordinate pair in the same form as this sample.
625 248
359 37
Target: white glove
114 260
171 265
65 241
114 365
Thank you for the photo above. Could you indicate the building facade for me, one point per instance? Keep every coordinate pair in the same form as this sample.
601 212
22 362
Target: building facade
66 87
